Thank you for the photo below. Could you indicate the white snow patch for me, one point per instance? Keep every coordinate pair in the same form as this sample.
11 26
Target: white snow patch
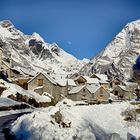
87 122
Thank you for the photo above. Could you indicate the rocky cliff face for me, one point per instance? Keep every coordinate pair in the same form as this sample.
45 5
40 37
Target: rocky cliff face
118 58
30 53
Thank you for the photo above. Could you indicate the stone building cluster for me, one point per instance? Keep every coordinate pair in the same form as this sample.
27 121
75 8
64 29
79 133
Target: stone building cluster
96 88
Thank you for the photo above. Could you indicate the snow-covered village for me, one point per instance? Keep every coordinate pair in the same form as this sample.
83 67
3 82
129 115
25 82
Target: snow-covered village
46 93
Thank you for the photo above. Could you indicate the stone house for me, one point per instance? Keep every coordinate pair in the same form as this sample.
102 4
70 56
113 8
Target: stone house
89 93
115 82
123 93
131 85
105 84
100 93
79 93
43 83
65 85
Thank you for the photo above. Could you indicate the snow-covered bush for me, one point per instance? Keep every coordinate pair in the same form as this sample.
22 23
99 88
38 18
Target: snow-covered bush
130 115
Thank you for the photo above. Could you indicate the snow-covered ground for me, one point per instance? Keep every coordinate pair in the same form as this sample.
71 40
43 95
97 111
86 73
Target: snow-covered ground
83 122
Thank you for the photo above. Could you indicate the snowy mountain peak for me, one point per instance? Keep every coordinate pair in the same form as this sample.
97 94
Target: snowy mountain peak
31 54
118 57
6 23
37 37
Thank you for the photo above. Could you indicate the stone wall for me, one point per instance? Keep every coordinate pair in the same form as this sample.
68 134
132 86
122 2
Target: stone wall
101 95
83 94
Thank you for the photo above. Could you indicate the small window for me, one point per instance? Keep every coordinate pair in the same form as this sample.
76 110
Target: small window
84 95
84 90
101 95
121 96
40 82
117 83
116 93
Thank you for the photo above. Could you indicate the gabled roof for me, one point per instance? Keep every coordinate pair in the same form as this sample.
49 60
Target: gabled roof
130 84
91 80
79 77
93 88
12 68
76 89
101 76
88 79
46 76
122 87
64 82
103 82
116 79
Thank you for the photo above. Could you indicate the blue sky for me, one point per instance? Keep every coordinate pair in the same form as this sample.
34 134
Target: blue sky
81 27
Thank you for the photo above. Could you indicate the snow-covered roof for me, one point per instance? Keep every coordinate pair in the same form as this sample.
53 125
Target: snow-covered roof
91 80
103 82
71 82
64 82
12 68
130 84
90 88
93 88
46 76
113 97
76 89
122 87
116 79
27 71
22 78
101 76
88 79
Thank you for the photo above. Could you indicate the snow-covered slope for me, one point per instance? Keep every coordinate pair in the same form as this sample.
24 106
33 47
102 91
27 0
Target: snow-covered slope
30 53
119 56
8 102
13 89
94 122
